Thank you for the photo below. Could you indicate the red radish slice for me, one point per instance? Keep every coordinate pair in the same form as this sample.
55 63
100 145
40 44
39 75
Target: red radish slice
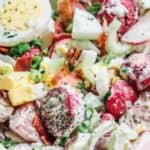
61 40
140 32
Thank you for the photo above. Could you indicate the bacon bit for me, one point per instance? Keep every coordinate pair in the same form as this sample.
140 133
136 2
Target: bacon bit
23 64
37 123
59 75
65 77
73 55
101 43
65 9
4 49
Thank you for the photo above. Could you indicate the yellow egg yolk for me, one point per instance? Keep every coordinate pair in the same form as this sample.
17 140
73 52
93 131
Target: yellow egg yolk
16 14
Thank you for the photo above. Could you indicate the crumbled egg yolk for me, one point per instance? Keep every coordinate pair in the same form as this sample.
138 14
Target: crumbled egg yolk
16 14
140 128
62 50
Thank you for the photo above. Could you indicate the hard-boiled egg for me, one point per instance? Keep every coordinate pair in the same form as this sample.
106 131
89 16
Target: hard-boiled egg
23 20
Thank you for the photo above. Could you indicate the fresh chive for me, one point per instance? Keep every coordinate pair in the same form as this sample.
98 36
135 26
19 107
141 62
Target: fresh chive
106 96
36 61
36 42
7 143
84 126
70 67
63 141
19 49
11 36
107 59
6 33
89 113
55 14
80 86
35 75
123 70
94 8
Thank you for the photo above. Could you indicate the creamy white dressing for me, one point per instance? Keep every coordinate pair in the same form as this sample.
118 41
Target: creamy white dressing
117 8
145 3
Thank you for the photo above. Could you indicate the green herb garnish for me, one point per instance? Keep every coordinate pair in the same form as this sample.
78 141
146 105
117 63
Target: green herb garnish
89 113
36 61
7 143
94 8
55 15
107 59
63 141
36 42
35 75
84 126
123 70
70 67
11 36
80 86
106 96
19 49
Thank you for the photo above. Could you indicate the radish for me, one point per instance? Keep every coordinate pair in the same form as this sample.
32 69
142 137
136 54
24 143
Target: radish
140 32
85 26
60 43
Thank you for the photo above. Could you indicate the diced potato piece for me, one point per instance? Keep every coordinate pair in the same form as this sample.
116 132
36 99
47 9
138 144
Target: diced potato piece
13 80
22 94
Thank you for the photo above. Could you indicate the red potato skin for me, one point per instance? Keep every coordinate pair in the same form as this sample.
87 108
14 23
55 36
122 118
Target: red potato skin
136 43
60 115
37 123
122 94
127 21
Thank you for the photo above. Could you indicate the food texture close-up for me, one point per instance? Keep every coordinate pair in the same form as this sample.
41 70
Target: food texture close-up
74 74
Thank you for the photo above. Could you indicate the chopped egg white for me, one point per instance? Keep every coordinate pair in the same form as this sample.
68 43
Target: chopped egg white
23 20
117 8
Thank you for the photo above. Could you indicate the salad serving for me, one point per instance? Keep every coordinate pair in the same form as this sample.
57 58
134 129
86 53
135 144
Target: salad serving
74 75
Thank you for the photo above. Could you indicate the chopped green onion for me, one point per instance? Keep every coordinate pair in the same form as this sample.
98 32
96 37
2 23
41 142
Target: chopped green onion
35 75
7 143
19 49
70 67
107 59
84 126
80 86
106 96
36 42
54 3
94 8
89 112
63 141
55 14
36 61
123 70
